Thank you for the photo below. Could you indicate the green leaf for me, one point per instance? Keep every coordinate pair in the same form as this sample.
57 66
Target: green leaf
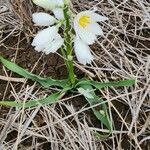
45 101
99 111
46 82
100 85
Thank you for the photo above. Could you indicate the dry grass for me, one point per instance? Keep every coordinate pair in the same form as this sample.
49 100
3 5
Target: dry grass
123 52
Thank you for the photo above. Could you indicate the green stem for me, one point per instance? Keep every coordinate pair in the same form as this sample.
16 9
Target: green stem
68 47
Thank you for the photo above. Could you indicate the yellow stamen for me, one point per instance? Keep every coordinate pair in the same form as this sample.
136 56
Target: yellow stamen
84 21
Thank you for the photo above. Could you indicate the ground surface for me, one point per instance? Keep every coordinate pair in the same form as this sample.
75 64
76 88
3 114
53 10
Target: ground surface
122 53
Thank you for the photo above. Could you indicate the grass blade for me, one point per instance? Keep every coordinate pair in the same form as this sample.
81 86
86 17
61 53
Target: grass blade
100 85
46 82
100 111
45 101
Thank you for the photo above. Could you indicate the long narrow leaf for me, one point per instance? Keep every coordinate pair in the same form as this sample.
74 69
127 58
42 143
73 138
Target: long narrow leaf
100 85
46 82
45 101
100 111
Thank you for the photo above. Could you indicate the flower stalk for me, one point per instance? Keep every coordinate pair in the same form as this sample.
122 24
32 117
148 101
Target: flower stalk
67 50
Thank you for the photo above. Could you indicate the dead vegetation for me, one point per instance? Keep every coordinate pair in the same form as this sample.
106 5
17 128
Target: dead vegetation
122 53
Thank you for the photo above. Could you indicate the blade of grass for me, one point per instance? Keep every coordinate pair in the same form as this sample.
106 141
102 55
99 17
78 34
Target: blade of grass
100 85
45 101
100 111
46 82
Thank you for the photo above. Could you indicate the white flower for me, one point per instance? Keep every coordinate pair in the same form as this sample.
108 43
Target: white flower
43 19
59 3
86 26
56 6
49 4
46 4
54 45
58 12
48 40
82 51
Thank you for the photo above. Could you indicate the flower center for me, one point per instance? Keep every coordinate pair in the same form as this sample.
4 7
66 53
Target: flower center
84 21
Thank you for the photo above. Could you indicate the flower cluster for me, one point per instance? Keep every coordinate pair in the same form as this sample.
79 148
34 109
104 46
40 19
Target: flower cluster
85 25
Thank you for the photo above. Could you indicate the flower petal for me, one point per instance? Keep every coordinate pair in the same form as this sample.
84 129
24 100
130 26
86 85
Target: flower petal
59 3
87 36
43 19
94 28
94 16
98 18
54 45
44 36
58 12
82 51
46 4
39 48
